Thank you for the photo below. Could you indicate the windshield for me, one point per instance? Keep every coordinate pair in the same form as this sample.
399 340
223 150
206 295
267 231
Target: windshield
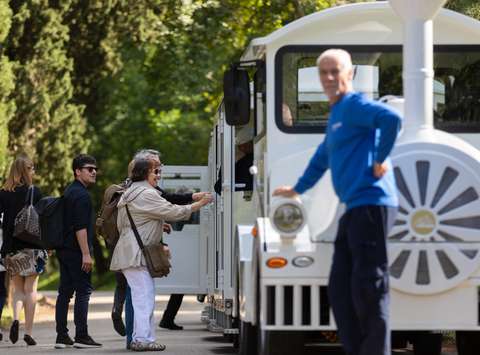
302 107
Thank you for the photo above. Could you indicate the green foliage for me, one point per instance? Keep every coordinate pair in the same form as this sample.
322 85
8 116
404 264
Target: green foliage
467 7
7 106
47 124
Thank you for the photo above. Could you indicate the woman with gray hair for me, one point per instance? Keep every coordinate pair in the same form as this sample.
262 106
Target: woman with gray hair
149 211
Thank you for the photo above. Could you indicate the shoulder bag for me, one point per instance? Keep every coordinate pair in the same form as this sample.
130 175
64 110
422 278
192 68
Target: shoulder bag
27 225
155 255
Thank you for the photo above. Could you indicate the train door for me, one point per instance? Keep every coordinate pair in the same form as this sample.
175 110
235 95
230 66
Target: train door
224 210
188 240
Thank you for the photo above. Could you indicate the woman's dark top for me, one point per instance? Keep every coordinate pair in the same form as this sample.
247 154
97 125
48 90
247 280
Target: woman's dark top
10 204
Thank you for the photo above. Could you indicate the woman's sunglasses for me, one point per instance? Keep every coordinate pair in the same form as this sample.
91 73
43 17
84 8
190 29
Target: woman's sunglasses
157 171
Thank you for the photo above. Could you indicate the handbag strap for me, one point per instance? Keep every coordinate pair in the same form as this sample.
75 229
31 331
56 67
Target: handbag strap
134 228
29 191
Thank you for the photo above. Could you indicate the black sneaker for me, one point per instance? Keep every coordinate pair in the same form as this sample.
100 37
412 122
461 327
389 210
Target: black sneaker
63 341
170 325
14 332
85 343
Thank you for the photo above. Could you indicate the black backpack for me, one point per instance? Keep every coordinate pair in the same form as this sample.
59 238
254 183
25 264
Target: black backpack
51 215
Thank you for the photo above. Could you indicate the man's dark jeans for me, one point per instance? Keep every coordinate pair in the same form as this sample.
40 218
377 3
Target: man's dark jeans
72 279
359 280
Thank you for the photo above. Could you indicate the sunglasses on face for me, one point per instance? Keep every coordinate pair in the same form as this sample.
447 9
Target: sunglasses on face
158 170
90 169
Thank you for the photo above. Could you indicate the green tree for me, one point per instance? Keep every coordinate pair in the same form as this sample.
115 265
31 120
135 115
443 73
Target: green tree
7 106
468 7
47 124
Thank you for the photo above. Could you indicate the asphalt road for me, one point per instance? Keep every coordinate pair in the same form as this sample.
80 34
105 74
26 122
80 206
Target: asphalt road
195 339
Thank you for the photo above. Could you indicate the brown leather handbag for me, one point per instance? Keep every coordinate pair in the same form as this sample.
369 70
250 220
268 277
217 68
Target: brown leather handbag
156 257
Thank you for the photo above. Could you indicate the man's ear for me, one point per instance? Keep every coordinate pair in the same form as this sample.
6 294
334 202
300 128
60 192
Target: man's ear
351 73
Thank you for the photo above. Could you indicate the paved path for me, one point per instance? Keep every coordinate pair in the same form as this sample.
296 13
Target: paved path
193 340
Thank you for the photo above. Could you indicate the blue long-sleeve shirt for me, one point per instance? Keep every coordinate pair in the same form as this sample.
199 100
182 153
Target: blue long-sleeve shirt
359 133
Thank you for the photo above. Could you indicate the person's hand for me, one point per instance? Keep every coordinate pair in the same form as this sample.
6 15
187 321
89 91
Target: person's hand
285 191
197 196
167 251
206 199
379 170
167 228
87 263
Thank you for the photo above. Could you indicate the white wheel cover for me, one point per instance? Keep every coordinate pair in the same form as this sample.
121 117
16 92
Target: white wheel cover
434 244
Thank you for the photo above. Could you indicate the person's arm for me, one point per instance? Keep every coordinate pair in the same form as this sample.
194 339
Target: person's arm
82 208
82 239
315 169
176 198
375 115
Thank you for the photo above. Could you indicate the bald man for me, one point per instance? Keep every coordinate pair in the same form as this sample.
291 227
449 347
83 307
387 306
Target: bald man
360 136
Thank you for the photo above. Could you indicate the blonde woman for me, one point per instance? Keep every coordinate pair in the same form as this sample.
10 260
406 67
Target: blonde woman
15 193
149 210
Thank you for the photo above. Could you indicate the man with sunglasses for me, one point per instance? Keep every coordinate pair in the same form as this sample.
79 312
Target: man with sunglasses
75 257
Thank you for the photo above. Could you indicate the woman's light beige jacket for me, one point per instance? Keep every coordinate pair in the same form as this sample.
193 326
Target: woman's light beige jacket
149 210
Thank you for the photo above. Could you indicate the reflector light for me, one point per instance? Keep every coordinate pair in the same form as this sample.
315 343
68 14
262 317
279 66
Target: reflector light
302 261
276 262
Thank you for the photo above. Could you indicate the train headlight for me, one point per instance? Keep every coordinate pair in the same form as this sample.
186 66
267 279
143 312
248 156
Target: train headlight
288 217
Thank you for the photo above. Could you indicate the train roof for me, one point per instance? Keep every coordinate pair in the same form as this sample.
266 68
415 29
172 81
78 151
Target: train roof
373 23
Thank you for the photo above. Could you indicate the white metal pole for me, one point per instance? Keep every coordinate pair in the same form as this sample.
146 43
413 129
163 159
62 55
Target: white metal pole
418 74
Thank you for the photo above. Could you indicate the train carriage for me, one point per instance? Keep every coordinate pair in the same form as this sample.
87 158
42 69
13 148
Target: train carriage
268 258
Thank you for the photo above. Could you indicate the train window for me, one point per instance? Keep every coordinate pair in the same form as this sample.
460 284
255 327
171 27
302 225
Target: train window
302 107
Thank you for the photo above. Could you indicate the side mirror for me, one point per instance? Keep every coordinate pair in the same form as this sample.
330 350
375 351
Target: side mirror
236 91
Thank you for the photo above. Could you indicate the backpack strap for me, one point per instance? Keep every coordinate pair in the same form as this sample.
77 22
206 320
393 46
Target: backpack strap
30 193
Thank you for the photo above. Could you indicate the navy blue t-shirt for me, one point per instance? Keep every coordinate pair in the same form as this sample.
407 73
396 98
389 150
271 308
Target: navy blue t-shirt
78 215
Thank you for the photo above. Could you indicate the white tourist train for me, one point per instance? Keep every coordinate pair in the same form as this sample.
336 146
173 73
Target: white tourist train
268 259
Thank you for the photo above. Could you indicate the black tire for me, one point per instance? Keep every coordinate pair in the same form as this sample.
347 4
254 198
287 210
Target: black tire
425 343
248 339
468 342
280 342
398 340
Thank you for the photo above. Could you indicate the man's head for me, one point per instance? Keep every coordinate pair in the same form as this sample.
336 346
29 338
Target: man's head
244 139
336 73
85 169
